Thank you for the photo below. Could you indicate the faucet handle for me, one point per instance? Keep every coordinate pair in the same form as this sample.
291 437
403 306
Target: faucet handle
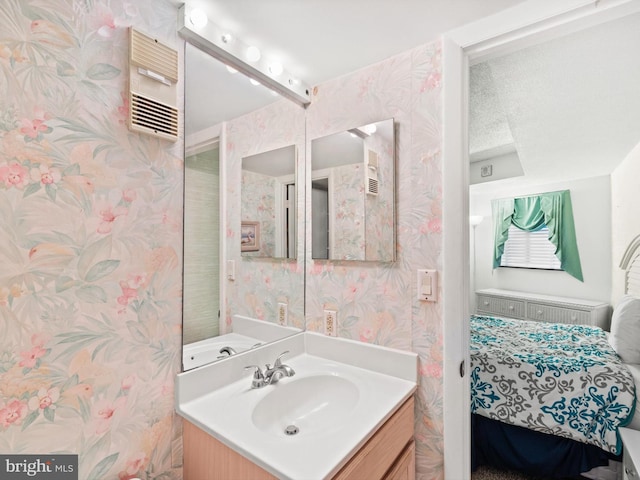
278 363
258 376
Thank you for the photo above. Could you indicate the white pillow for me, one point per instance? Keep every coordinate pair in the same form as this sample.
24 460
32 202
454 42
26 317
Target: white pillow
625 329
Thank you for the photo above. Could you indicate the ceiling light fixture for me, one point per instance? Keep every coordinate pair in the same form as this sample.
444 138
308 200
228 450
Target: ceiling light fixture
232 51
254 82
231 69
198 18
369 129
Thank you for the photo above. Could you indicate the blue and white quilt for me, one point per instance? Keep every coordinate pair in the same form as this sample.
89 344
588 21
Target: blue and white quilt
559 379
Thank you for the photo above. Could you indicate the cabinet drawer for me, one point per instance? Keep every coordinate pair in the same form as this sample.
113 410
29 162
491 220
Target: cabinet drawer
548 313
501 306
382 450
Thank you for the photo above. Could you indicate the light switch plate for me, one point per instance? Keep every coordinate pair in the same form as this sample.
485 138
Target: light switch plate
231 270
427 285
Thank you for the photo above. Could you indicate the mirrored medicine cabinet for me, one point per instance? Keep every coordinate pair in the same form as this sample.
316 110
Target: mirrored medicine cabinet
353 194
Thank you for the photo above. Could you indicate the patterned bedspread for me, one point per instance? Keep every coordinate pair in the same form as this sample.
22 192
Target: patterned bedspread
564 380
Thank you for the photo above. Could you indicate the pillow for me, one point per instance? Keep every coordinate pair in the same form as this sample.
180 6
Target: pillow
625 329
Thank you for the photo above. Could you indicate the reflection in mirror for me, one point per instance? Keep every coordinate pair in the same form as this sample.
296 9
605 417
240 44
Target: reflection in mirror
209 88
268 202
353 194
201 250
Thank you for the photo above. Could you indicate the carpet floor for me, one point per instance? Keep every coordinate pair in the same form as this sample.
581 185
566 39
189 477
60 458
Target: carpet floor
488 473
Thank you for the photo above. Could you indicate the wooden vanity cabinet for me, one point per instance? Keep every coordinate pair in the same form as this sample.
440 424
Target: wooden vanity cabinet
388 455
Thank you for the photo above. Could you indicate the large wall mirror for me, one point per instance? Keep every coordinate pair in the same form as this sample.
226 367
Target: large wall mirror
208 333
353 194
268 204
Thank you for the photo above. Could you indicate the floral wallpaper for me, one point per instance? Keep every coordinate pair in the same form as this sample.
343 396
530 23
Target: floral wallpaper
376 302
380 208
262 283
258 193
347 225
90 244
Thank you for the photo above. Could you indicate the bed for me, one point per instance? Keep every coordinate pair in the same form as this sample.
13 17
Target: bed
548 399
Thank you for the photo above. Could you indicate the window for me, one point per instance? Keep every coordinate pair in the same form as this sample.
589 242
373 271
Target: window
530 250
532 214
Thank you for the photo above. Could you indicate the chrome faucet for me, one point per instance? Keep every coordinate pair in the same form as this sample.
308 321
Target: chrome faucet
270 375
227 351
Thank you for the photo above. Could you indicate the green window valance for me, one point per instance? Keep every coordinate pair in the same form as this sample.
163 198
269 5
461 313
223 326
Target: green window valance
531 213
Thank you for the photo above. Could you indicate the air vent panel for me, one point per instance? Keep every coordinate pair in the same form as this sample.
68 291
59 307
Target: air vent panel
149 53
153 73
372 186
152 117
372 173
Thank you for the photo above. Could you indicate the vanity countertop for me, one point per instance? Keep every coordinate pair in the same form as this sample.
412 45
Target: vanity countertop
219 400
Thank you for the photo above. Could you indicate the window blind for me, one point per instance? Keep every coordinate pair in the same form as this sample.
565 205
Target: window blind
530 250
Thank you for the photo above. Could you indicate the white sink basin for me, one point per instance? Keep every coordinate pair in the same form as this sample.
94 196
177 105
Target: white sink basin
310 404
342 391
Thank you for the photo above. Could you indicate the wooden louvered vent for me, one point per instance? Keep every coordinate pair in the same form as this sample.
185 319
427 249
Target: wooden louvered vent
153 74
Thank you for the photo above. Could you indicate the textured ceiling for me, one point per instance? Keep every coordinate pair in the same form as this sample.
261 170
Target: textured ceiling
571 106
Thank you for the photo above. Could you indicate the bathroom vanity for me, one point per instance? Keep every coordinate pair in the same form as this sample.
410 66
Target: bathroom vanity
389 454
346 413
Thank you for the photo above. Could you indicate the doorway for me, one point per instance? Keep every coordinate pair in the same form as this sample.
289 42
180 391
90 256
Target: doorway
508 31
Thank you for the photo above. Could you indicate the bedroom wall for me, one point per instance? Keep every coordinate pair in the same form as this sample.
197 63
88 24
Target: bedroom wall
90 244
625 215
591 199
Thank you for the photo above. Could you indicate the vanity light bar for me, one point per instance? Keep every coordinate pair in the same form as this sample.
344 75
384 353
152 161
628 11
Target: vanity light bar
214 41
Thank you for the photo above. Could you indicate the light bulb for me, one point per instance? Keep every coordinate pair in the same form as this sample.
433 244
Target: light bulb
475 220
254 82
253 54
369 129
198 18
231 69
275 69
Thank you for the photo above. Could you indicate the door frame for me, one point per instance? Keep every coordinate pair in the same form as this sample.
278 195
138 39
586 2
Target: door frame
525 24
196 142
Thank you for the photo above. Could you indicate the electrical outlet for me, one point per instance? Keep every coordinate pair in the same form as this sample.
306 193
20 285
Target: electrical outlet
282 313
331 323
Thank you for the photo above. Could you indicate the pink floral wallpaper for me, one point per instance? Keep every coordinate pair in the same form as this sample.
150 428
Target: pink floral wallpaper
347 224
90 244
259 205
375 302
262 283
